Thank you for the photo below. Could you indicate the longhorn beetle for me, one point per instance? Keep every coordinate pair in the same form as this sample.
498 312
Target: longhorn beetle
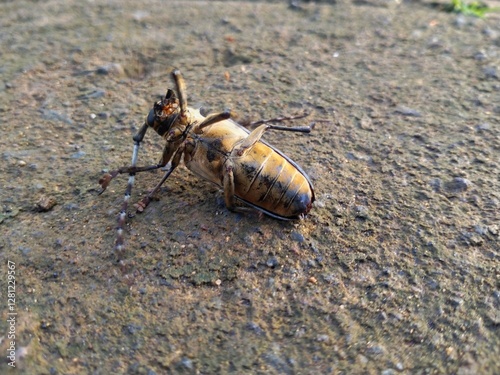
223 152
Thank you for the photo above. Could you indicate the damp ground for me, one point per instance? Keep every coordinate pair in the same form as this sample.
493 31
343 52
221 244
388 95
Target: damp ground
395 269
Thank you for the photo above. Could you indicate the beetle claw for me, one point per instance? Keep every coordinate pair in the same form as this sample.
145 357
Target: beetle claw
104 182
106 179
142 204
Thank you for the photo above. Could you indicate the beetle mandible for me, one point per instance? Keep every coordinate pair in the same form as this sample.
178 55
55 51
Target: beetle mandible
223 152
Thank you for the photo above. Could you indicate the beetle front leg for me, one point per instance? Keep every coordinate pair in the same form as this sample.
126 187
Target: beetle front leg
132 170
144 202
105 180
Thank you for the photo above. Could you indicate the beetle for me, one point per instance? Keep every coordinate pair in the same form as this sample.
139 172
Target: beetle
221 151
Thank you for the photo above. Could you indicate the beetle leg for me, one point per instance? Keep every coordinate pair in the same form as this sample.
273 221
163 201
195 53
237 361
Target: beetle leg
132 170
212 119
278 119
143 203
228 184
299 129
250 140
257 133
228 181
105 180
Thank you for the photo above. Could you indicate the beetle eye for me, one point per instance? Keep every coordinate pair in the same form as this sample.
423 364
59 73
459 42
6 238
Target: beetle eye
151 117
158 109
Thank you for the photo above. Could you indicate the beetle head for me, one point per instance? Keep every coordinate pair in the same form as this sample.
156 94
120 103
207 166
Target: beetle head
164 113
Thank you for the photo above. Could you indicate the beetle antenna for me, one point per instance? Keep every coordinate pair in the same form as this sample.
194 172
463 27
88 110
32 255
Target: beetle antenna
181 89
278 119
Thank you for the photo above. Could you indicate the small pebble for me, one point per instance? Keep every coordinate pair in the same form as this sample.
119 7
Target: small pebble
112 69
187 363
361 212
362 359
272 262
376 350
480 56
296 236
490 72
480 229
96 94
104 115
71 207
22 352
252 326
24 250
483 127
52 115
21 163
458 185
366 123
456 302
45 204
476 240
402 110
436 184
460 21
78 155
323 338
133 328
489 32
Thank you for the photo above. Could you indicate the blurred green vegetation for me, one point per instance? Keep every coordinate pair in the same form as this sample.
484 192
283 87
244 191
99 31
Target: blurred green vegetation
474 8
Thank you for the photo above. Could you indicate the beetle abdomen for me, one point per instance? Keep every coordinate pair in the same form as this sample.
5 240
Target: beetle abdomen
267 180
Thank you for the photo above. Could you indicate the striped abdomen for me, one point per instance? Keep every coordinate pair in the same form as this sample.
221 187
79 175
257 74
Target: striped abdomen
266 179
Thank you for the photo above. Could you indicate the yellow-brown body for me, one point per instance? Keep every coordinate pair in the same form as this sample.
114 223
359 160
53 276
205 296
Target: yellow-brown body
264 177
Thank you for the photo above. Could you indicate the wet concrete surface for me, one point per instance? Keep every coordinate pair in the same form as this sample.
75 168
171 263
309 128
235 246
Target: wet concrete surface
395 269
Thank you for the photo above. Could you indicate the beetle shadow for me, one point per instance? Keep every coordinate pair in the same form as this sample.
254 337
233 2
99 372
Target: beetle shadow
202 242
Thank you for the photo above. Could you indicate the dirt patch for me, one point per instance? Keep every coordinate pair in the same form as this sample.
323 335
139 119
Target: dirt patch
395 269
